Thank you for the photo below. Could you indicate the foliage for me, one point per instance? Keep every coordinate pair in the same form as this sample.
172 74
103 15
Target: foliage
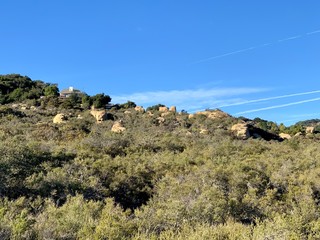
266 125
156 180
14 87
155 107
100 100
128 105
51 90
72 101
86 101
76 219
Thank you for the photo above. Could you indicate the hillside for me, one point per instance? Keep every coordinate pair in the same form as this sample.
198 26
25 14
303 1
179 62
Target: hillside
70 172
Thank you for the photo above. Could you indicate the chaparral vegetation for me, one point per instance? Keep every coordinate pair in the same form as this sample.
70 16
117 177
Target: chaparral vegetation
137 174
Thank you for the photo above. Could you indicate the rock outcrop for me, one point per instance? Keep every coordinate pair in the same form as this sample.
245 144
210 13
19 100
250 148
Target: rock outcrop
163 109
285 136
139 109
173 109
204 131
215 114
118 127
59 118
190 115
241 130
165 114
150 113
160 119
309 130
99 115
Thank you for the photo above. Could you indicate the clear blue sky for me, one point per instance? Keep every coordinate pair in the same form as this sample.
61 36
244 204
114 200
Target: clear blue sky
188 53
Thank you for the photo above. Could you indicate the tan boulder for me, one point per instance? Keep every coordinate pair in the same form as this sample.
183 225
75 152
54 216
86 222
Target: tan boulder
139 109
298 134
191 116
160 119
204 131
150 113
201 113
99 115
285 136
310 130
163 109
59 118
215 114
241 130
24 107
118 127
165 114
188 133
127 112
173 109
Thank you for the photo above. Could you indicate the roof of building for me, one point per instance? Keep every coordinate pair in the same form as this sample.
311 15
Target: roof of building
69 91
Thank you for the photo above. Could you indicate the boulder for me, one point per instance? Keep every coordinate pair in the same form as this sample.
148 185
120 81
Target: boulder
163 109
160 120
127 112
310 130
204 131
59 118
241 130
191 116
173 109
285 136
215 114
24 107
118 127
298 134
165 114
139 109
150 113
188 133
99 115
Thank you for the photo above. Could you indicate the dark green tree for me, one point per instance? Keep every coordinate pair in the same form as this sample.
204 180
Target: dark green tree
128 104
51 90
16 95
14 87
100 100
86 101
74 100
155 107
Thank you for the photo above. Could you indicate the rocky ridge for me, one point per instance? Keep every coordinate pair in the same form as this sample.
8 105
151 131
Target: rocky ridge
239 128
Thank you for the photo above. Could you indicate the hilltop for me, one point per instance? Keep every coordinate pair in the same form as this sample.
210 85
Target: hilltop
23 92
79 167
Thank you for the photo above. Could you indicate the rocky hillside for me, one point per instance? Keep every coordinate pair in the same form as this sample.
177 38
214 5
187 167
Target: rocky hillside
80 168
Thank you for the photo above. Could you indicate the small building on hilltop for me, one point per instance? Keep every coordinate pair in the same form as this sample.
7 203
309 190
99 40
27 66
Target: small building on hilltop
69 91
